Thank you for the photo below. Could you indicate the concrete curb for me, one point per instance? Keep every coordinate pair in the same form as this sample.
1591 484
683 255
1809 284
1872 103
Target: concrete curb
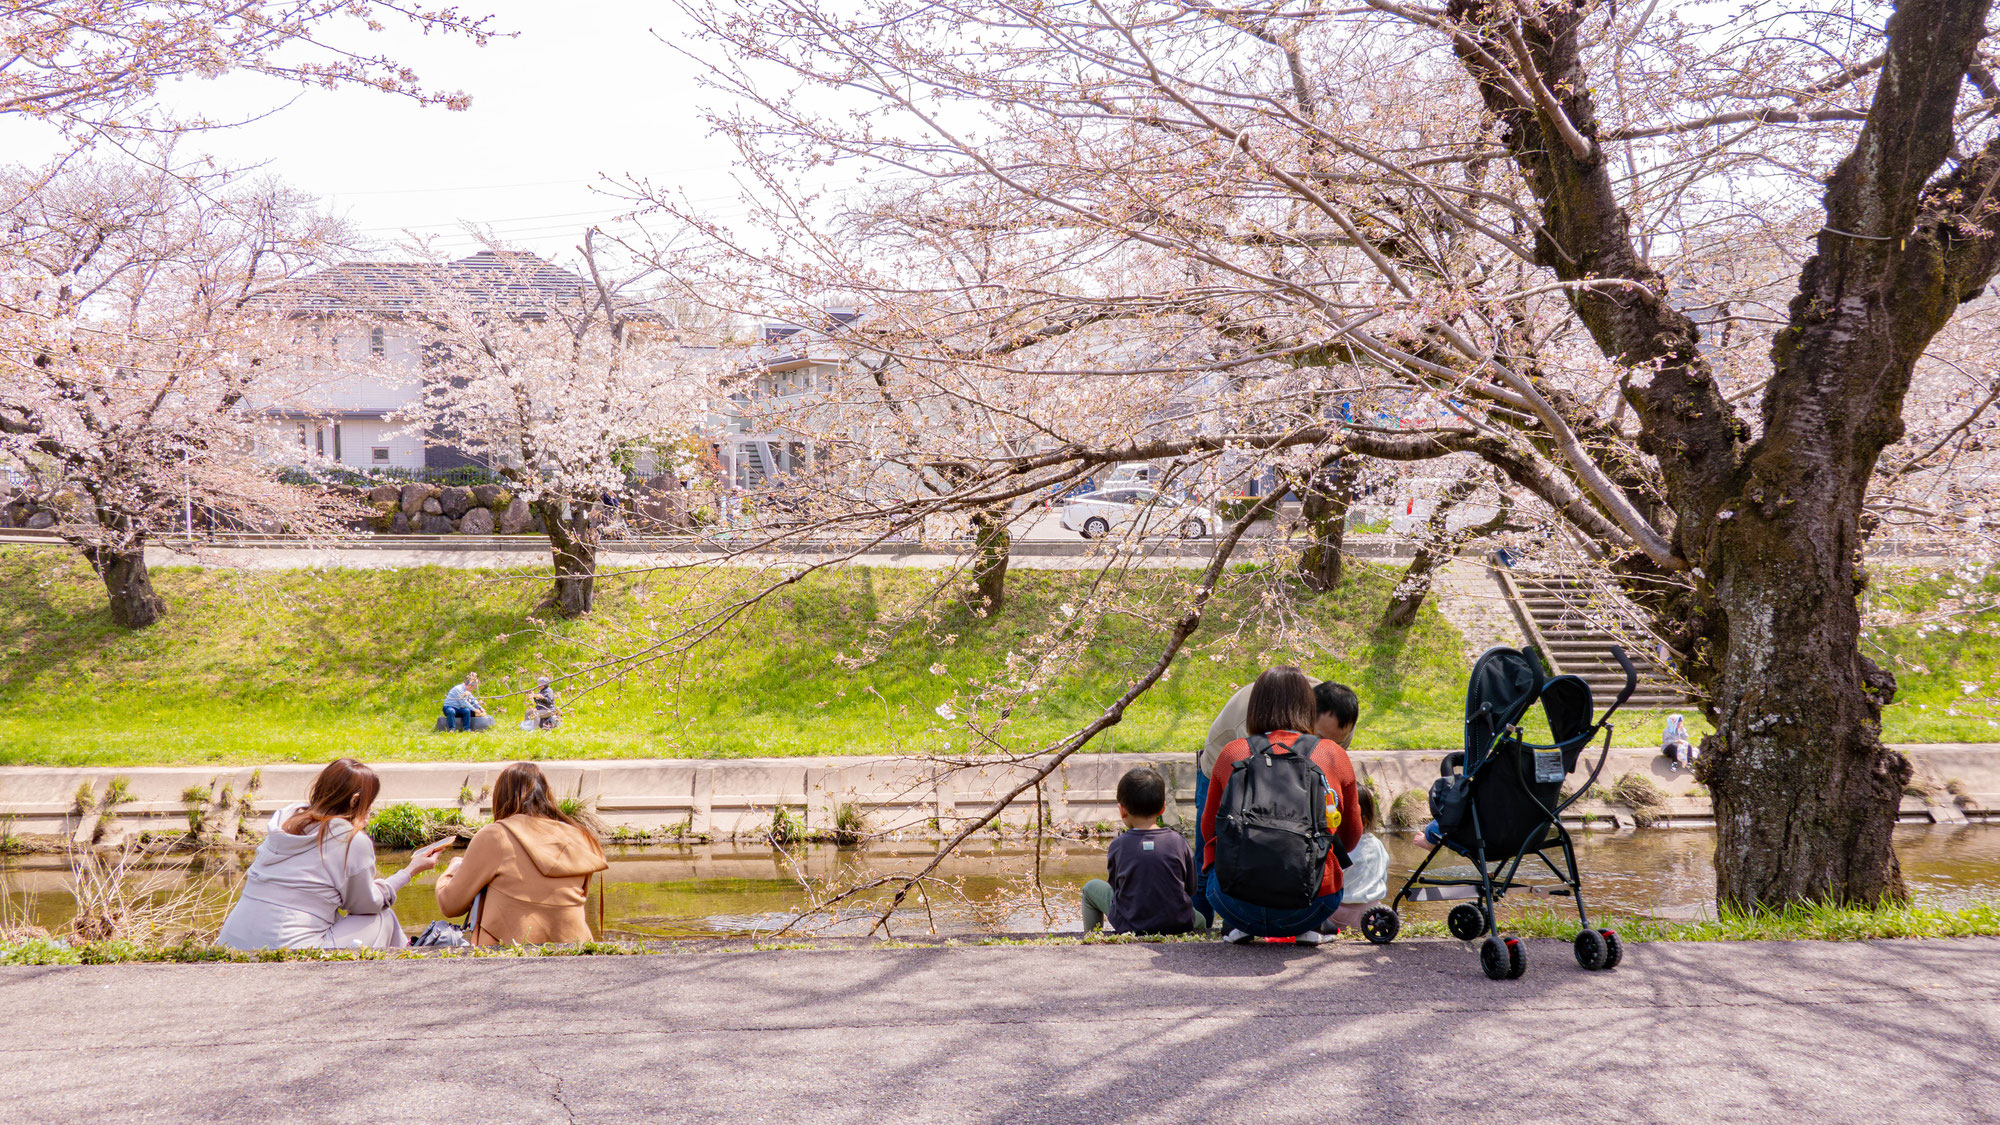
738 797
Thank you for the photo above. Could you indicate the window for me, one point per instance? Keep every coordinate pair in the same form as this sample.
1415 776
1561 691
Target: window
378 344
379 455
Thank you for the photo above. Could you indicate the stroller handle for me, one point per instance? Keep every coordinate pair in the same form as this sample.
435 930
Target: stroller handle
1631 677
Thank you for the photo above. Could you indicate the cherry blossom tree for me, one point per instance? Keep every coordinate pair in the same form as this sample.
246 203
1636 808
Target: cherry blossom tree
557 380
93 70
132 375
1694 288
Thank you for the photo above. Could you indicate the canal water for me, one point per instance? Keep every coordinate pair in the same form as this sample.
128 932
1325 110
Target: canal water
731 889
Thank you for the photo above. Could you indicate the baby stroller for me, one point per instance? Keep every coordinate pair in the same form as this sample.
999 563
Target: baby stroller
1499 801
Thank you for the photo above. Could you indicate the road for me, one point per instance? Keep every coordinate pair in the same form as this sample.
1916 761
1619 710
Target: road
1823 1033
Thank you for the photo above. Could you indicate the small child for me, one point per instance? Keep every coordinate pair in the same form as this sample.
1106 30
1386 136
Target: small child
1368 879
1152 869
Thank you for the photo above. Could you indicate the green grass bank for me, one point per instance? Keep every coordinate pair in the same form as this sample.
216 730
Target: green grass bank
255 667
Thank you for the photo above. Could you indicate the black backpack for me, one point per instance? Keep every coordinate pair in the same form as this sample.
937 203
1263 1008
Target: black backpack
1271 840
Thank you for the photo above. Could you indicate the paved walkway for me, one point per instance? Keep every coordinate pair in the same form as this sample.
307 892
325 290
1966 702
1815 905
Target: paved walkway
1824 1033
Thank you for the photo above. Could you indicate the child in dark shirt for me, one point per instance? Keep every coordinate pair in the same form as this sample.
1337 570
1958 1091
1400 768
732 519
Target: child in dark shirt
1152 869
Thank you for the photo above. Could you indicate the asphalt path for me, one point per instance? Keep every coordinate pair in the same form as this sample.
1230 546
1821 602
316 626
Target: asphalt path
1878 1032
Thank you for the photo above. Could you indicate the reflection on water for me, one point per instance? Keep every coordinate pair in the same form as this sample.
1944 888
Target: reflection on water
727 888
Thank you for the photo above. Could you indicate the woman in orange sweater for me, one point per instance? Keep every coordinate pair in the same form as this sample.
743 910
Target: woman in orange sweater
534 864
1282 709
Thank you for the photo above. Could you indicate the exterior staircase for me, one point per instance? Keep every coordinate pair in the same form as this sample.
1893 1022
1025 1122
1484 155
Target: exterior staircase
1574 623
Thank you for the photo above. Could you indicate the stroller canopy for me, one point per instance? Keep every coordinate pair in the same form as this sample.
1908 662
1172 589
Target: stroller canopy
1505 682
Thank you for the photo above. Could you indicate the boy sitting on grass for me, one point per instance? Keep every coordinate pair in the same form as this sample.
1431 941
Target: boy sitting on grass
1152 869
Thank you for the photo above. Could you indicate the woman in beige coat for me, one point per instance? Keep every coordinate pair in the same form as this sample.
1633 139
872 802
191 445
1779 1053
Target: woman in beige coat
534 864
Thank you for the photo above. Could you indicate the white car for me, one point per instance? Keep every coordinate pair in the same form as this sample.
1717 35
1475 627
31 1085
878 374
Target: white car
1097 514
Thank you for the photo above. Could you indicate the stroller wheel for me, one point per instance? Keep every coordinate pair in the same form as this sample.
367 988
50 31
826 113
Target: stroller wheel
1614 950
1592 951
1517 958
1380 925
1466 921
1502 958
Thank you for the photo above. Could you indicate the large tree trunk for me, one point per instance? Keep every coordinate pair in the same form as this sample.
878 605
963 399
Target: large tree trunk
129 585
1805 793
1323 503
994 544
573 545
1767 520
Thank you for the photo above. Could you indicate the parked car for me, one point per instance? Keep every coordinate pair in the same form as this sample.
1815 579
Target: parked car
1115 507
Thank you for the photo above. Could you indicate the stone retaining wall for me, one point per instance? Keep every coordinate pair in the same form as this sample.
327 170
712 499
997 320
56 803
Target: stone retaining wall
738 797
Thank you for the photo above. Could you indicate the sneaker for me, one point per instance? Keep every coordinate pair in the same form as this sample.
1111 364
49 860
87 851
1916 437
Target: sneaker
1237 937
1313 937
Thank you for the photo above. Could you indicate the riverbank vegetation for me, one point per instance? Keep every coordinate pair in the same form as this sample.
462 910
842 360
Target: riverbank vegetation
1795 923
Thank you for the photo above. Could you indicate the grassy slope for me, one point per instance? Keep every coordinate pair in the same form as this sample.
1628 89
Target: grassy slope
311 665
1947 667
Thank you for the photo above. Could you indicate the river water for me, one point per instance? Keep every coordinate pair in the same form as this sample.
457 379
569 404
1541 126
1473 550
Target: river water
720 889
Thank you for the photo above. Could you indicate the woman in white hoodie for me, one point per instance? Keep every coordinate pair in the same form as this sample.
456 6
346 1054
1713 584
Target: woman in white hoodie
317 862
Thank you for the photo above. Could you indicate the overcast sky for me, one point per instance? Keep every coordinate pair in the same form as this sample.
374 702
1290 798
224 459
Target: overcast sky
585 89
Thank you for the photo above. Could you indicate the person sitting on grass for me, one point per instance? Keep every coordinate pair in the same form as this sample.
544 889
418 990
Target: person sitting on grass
1339 710
529 869
1152 869
316 862
461 705
1367 881
1282 709
542 705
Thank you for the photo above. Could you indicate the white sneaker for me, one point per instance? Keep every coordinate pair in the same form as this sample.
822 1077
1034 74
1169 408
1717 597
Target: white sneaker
1237 937
1314 937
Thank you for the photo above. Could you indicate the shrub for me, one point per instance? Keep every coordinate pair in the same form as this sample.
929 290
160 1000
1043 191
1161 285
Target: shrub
850 824
787 827
1637 792
404 826
1410 810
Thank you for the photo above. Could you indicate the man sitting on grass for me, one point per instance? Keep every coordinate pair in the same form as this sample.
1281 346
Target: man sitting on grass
462 708
1152 869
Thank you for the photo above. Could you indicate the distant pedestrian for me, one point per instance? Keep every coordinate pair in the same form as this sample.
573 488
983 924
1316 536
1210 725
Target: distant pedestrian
1152 869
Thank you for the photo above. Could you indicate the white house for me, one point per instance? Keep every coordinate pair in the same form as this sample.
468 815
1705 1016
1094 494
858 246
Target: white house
373 313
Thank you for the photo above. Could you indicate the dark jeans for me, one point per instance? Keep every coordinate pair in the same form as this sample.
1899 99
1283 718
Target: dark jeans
1263 921
458 718
1201 852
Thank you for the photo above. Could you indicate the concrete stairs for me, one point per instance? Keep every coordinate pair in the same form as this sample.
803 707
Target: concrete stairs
1574 623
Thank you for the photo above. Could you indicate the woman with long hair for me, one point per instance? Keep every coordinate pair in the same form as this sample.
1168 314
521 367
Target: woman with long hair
533 864
313 883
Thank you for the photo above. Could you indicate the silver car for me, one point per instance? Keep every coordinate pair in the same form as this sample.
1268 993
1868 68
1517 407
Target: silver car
1097 514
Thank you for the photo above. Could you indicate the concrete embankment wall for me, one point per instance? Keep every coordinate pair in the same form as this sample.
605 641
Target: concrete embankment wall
738 797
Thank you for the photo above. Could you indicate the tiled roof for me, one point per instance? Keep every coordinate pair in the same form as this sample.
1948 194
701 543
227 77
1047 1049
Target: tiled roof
509 281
